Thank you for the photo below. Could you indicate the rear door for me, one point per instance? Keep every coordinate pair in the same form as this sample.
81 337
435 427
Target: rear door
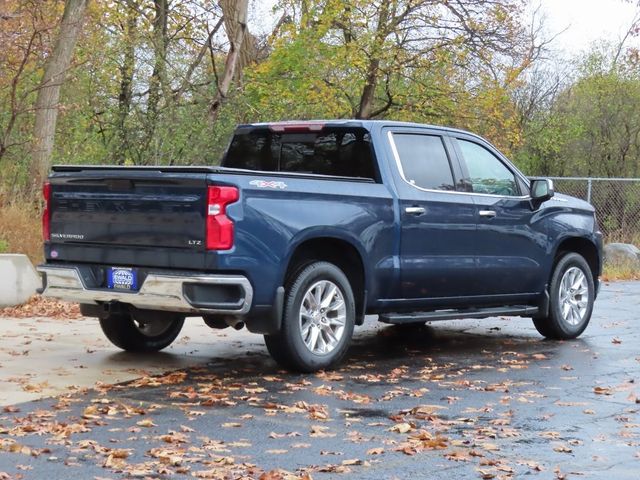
511 238
437 222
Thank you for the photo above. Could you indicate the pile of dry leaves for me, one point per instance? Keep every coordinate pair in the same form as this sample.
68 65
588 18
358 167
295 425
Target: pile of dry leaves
38 306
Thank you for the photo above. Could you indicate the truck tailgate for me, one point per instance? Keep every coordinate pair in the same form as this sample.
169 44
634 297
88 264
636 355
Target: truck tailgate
129 207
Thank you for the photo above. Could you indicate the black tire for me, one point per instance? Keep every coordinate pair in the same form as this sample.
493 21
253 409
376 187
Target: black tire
129 334
287 347
555 326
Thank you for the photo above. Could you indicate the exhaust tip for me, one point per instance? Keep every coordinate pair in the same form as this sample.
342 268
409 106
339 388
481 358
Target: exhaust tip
234 323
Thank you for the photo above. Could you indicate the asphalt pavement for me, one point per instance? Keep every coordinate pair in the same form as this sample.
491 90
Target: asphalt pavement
466 399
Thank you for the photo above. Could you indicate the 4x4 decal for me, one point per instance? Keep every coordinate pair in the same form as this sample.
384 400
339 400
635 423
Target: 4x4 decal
265 184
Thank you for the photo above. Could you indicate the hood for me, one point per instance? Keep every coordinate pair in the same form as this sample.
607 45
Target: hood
569 201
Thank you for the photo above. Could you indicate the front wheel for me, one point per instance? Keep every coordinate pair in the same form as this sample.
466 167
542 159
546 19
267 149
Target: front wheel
150 332
318 320
571 296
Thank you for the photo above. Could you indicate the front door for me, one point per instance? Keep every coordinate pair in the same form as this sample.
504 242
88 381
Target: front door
510 235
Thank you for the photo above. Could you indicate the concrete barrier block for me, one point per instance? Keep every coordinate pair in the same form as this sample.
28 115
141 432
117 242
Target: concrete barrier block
622 254
18 279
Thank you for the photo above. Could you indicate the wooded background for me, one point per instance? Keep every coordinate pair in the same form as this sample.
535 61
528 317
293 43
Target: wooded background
146 82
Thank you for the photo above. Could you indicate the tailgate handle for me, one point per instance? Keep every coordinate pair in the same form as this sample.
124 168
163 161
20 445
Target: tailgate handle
119 184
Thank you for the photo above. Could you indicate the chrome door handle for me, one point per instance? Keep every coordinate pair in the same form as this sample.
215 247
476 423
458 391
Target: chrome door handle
415 210
487 213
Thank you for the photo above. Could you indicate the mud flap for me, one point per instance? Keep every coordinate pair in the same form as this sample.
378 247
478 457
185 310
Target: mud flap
267 319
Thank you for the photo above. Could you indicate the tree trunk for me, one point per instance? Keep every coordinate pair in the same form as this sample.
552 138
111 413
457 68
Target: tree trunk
159 75
369 90
126 85
373 69
235 12
49 90
197 61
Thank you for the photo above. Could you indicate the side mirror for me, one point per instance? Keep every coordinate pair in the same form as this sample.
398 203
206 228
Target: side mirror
542 190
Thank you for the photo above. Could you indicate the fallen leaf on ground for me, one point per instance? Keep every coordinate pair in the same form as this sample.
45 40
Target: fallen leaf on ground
562 449
486 474
320 431
603 391
401 428
147 423
231 425
458 456
334 469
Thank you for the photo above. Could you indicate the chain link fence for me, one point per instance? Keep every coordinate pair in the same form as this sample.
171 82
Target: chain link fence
616 200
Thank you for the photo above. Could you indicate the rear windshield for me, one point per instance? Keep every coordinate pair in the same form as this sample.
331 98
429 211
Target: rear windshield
344 152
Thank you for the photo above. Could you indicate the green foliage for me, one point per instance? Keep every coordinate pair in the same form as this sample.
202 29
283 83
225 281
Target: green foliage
593 126
4 246
420 63
434 73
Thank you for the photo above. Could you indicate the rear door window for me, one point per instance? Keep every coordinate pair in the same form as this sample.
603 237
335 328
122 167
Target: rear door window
424 161
344 152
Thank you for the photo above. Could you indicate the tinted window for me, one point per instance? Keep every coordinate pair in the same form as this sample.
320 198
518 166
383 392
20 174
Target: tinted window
487 174
424 161
342 152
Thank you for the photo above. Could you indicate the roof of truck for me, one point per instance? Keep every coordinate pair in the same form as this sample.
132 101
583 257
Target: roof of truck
366 124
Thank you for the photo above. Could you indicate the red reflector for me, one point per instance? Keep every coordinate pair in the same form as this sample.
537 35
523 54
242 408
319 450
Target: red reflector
220 227
46 212
296 127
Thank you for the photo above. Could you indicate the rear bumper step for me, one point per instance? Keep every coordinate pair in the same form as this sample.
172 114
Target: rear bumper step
229 294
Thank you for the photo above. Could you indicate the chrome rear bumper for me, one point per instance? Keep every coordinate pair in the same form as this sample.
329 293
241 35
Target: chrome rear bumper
160 291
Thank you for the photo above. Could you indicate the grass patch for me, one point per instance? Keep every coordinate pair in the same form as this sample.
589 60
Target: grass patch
620 272
20 231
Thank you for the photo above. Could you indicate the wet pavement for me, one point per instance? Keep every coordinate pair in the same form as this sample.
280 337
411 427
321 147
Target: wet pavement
44 357
467 399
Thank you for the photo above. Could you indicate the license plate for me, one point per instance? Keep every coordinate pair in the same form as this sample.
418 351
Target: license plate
121 278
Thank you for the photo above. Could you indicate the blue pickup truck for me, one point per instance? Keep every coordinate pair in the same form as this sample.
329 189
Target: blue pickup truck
305 228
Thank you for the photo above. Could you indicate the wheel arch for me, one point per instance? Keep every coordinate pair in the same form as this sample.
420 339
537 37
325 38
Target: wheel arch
582 246
342 252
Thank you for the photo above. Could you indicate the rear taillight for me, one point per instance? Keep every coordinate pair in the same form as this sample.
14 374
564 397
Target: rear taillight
219 226
46 212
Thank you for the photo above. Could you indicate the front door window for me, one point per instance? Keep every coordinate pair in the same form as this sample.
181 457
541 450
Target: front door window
487 174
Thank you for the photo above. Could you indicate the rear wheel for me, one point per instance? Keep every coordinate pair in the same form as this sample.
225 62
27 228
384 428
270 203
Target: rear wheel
318 320
571 295
150 332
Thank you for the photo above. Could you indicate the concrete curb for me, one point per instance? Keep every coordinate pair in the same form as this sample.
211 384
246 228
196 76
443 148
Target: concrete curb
18 279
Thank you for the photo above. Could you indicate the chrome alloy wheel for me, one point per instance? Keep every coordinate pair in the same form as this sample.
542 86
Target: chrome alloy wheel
322 317
574 296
